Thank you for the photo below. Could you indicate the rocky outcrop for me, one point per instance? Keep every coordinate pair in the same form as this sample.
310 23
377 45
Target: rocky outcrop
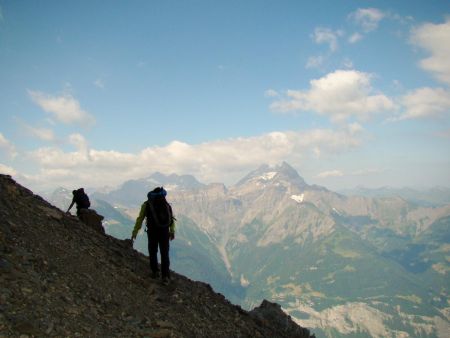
272 314
59 277
92 219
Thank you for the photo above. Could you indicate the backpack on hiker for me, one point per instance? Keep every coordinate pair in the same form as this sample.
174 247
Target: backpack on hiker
158 210
82 199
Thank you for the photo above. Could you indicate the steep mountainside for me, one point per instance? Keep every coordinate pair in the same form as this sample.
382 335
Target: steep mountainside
60 277
345 265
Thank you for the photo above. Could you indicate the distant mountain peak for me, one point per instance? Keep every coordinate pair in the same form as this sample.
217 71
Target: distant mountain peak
175 181
267 173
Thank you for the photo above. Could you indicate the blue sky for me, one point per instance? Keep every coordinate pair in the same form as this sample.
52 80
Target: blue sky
93 93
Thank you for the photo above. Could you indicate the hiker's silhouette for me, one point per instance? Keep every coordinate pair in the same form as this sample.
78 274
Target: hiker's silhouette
80 199
160 230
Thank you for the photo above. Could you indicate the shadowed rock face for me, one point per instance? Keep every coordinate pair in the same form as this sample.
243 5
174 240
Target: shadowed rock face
273 314
59 277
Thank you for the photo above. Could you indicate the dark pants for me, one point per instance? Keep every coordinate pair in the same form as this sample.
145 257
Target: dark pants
79 211
159 236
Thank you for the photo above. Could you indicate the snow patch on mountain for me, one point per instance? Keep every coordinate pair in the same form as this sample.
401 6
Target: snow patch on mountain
337 212
266 176
298 198
171 187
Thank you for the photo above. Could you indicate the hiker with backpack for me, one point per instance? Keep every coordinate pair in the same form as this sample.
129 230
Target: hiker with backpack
160 230
81 199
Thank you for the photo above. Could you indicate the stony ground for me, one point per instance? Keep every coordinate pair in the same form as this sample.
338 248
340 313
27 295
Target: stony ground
60 278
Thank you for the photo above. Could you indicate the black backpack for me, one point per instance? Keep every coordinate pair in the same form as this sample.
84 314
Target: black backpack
159 212
81 199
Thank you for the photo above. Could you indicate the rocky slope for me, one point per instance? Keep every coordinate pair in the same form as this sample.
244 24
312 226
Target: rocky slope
59 277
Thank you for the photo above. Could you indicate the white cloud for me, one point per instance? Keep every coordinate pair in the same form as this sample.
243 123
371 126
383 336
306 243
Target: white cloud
327 36
354 38
79 142
435 39
271 93
331 173
347 63
425 103
99 83
340 95
44 134
222 160
65 108
367 18
7 146
4 169
315 61
367 172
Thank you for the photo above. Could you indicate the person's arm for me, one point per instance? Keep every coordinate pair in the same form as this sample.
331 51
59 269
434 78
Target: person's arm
172 225
139 220
71 204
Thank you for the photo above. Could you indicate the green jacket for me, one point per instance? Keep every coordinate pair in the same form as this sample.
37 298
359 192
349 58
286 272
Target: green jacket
140 219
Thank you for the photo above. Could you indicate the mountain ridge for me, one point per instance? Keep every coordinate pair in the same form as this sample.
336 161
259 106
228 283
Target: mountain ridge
61 278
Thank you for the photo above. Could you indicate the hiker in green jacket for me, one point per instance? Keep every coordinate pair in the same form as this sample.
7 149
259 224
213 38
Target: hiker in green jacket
160 230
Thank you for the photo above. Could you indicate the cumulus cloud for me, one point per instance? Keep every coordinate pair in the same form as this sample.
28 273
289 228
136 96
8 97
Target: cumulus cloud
425 103
221 160
340 95
44 134
99 83
315 61
65 108
270 93
79 142
355 37
434 38
367 18
7 146
327 36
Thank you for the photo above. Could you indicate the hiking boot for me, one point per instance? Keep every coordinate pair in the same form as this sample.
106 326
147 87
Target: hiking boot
165 281
154 274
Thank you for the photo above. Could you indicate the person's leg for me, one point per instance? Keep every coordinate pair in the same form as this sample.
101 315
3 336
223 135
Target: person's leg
164 251
153 250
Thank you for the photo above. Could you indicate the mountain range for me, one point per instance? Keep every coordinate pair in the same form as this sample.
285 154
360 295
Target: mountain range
60 277
342 265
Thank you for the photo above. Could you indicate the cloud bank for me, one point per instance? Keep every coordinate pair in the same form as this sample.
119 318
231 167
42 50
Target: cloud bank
210 161
340 95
